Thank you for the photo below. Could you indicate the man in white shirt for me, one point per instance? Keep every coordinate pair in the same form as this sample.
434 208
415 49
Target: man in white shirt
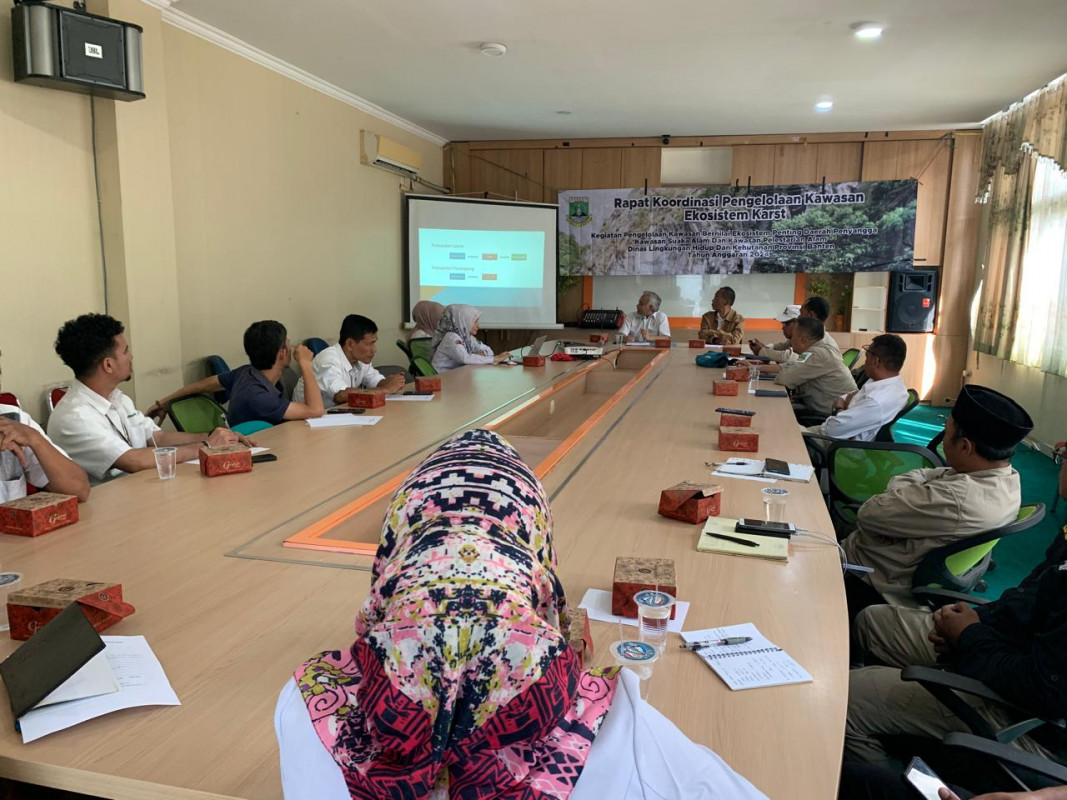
861 414
648 322
95 422
347 364
27 454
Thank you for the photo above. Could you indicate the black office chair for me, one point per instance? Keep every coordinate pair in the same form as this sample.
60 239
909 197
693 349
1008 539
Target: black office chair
885 433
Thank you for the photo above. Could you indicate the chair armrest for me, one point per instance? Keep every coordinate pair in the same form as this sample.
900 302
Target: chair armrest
946 688
931 593
1009 755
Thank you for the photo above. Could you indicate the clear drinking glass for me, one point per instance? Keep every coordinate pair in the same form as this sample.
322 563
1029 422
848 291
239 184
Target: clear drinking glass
166 462
753 378
653 613
774 504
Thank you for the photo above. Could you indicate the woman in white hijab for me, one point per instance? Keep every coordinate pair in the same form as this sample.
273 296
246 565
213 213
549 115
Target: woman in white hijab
454 344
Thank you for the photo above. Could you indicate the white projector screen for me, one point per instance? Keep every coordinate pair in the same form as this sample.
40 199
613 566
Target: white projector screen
499 256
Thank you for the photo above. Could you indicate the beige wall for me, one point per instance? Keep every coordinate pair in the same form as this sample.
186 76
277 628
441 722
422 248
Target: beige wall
231 194
1043 395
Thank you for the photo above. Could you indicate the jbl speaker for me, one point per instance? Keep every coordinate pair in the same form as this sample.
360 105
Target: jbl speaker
912 301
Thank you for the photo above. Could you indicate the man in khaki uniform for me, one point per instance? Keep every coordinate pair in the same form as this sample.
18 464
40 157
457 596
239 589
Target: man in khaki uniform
782 352
819 376
722 325
925 509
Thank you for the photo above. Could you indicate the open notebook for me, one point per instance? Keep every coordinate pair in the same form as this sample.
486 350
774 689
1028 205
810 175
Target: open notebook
775 548
752 665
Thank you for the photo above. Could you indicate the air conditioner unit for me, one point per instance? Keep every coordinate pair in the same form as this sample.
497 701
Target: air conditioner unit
377 151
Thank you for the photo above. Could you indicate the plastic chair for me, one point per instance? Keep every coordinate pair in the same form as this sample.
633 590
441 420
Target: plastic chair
8 399
55 396
315 345
422 367
850 357
197 413
885 433
216 365
960 566
250 427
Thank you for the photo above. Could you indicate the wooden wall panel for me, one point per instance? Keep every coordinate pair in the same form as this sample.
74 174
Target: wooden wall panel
487 175
839 162
961 239
931 160
562 170
457 167
755 162
640 164
795 163
602 168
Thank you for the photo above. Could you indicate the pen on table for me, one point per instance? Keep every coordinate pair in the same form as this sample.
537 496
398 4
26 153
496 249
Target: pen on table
720 643
734 539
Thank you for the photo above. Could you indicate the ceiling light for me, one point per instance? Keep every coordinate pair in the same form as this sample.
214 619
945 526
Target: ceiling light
824 105
494 49
867 30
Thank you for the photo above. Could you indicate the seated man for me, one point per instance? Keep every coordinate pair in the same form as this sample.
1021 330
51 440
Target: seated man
255 389
648 323
860 415
27 453
722 325
820 378
926 508
95 422
780 352
347 364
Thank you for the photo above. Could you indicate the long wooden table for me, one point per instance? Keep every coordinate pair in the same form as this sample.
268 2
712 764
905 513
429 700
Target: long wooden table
229 631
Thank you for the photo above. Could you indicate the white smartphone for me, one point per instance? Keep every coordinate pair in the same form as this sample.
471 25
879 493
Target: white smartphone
924 779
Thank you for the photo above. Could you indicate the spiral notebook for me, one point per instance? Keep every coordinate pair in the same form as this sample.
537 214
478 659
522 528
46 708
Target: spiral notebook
752 665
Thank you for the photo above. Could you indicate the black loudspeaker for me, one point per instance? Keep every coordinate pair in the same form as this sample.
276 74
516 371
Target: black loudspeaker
912 301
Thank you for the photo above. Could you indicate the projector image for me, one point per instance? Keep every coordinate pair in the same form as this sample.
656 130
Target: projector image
63 48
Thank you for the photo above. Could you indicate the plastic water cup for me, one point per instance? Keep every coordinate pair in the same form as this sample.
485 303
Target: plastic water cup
653 613
166 462
753 378
774 504
638 656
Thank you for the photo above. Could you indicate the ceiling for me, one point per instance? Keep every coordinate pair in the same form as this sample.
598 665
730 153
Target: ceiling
684 67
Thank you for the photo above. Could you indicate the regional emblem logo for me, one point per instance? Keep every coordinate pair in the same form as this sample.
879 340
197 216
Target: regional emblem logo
578 212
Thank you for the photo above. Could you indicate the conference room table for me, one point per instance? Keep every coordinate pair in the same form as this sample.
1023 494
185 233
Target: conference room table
231 612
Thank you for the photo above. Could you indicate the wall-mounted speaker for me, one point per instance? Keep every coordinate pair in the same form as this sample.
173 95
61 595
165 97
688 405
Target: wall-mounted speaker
912 301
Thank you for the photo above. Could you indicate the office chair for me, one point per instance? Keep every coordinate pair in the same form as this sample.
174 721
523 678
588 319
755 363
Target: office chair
216 365
251 426
315 345
885 433
850 357
420 348
422 367
197 413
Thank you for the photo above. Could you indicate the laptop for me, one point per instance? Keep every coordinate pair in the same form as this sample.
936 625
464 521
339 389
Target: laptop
535 348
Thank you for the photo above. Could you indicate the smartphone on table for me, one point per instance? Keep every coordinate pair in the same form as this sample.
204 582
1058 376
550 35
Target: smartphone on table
775 466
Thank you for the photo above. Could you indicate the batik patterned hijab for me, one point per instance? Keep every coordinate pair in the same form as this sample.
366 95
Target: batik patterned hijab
460 682
458 319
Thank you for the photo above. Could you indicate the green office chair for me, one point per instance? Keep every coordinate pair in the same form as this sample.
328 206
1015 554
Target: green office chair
196 413
885 433
420 348
859 470
403 345
850 357
250 427
959 567
422 367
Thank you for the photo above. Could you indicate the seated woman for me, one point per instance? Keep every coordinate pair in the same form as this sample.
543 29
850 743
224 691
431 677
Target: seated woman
460 682
426 314
454 344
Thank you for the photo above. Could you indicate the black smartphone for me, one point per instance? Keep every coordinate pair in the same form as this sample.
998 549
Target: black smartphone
739 411
417 393
923 779
760 526
775 466
260 458
345 410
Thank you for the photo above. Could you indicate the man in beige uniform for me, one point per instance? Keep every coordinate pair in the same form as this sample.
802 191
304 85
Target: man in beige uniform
722 325
925 509
818 378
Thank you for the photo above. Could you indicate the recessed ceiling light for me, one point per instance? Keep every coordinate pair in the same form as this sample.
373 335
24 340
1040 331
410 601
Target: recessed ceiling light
867 30
494 49
824 105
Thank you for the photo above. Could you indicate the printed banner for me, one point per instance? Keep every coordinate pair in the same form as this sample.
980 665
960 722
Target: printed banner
835 227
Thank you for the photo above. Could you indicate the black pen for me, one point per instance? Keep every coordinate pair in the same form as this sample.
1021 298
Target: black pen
734 539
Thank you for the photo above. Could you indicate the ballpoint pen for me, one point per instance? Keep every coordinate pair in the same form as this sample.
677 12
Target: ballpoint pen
720 643
734 539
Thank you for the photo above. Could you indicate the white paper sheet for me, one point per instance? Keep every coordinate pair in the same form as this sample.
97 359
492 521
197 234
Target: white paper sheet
93 679
342 421
719 474
141 679
255 451
597 603
414 398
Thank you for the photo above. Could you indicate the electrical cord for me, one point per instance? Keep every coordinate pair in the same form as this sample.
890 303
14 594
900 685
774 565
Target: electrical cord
99 203
827 540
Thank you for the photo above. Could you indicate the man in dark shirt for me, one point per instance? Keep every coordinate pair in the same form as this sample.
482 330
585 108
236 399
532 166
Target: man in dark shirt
255 389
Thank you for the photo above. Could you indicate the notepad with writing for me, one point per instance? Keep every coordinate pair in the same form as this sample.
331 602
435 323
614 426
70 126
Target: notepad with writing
752 665
775 548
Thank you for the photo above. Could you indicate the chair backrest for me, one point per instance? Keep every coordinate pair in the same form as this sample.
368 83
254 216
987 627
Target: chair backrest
860 470
216 365
850 356
885 433
250 427
403 345
860 376
8 399
55 396
315 345
420 348
937 444
422 367
196 413
960 565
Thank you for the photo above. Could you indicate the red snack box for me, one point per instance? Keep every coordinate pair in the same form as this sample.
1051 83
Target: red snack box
662 341
743 440
737 373
634 574
358 399
533 361
725 388
226 460
34 607
598 338
690 502
38 513
734 421
732 350
430 383
695 344
580 638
